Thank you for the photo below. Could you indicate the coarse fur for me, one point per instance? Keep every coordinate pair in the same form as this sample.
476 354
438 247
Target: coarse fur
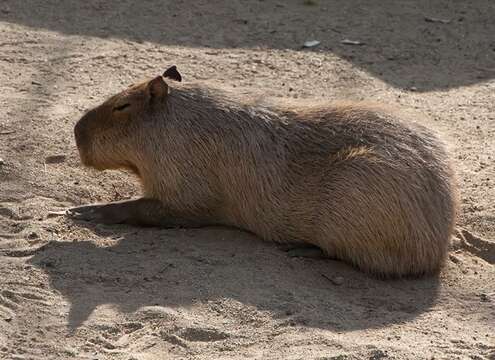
350 178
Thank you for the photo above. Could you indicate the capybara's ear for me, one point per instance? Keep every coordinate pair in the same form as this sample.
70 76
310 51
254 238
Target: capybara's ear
157 88
173 73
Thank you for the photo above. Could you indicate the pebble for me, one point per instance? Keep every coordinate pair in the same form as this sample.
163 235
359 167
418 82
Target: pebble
33 236
311 43
454 259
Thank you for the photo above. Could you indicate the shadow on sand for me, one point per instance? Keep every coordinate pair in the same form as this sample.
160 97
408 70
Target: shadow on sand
427 44
153 267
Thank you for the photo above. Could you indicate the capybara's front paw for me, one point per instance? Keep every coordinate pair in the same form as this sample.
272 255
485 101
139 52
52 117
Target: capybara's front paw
99 213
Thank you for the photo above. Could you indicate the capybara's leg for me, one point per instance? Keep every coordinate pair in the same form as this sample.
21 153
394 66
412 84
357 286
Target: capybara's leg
142 212
111 213
311 252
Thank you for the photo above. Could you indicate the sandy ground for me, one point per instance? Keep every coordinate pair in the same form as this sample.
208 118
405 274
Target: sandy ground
75 290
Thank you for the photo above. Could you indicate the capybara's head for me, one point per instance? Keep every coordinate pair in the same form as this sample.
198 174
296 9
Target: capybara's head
107 134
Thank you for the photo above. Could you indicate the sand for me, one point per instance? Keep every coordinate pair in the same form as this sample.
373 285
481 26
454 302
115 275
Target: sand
73 290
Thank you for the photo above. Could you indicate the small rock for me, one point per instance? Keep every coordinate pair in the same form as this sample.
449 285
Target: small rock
7 212
378 354
33 236
454 259
2 162
484 297
311 43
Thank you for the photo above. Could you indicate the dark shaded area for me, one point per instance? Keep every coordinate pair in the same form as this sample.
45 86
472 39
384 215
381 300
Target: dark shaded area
152 267
403 45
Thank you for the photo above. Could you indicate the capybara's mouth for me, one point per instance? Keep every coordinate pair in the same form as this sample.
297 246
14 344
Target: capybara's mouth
83 141
80 134
81 146
87 159
84 158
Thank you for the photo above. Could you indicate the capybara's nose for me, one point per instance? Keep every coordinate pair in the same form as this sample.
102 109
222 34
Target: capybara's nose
81 131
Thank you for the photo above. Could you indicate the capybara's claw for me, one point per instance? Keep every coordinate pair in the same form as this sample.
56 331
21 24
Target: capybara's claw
85 213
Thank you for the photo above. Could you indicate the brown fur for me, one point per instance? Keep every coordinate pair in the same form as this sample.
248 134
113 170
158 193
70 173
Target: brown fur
349 178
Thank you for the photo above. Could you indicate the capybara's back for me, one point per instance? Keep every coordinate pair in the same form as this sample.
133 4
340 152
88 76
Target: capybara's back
382 192
350 178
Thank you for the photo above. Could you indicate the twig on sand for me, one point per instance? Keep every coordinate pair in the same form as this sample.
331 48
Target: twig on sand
337 280
437 20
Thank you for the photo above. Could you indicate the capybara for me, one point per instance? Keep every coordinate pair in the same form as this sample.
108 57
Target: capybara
352 179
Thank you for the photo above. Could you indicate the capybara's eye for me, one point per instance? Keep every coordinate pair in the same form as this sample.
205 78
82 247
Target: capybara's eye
121 107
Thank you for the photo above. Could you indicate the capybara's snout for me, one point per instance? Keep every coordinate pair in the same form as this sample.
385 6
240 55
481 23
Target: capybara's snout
81 130
82 135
